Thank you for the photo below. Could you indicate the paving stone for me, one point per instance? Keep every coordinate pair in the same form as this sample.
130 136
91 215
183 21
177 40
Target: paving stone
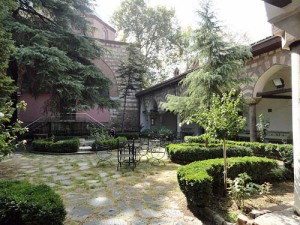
60 178
285 217
51 170
103 174
107 222
84 167
149 213
100 201
109 212
116 176
51 184
138 205
138 221
66 182
138 186
163 221
128 212
173 213
80 213
92 181
147 198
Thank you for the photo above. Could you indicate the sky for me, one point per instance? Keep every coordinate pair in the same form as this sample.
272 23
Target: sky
241 17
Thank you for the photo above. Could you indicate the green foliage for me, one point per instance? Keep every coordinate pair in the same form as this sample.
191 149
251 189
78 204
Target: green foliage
217 66
161 132
61 146
283 152
199 181
51 58
222 119
154 30
241 188
200 139
129 135
262 127
9 130
99 132
22 203
185 153
109 144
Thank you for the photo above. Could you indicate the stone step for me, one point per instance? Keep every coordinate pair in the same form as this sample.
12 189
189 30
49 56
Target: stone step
85 148
84 142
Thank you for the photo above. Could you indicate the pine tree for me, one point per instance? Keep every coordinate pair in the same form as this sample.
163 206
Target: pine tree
54 54
132 73
217 66
8 129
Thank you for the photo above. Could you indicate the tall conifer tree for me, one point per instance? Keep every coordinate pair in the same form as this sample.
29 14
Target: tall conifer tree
218 65
54 54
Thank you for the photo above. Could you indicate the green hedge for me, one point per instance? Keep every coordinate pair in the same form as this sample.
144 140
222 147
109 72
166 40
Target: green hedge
199 181
282 152
199 139
128 135
62 146
113 143
186 153
22 203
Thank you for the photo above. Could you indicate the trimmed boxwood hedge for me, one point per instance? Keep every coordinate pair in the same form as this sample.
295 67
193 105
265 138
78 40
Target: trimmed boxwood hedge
113 143
199 181
186 153
282 152
62 146
22 203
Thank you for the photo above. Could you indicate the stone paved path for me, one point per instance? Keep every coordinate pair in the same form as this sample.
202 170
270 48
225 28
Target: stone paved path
100 195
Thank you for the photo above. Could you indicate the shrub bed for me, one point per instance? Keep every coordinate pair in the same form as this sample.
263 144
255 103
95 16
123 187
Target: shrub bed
282 152
199 181
128 135
113 143
22 203
62 146
186 153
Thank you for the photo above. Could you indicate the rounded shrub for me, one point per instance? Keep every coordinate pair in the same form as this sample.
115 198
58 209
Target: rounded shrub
61 146
190 152
22 203
199 181
108 144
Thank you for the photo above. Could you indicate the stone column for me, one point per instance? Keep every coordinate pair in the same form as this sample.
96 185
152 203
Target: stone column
295 61
252 122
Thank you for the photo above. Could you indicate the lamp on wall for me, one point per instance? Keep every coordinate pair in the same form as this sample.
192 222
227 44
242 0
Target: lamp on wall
278 82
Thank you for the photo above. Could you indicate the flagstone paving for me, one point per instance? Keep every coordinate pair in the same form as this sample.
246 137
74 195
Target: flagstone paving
100 195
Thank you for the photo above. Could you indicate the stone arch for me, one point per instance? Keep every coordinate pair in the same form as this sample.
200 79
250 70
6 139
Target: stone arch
262 81
261 68
108 72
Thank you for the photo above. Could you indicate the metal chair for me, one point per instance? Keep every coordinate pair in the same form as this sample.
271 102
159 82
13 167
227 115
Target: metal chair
127 155
104 153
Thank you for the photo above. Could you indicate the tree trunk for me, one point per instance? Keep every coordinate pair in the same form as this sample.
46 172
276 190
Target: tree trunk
124 110
225 167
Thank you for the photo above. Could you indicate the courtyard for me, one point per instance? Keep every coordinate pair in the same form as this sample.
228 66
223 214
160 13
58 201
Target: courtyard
99 194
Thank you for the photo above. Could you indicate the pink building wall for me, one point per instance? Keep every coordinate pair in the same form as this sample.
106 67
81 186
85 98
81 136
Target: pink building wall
100 115
101 29
34 109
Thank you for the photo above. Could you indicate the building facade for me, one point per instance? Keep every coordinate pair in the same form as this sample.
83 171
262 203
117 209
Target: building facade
269 63
40 122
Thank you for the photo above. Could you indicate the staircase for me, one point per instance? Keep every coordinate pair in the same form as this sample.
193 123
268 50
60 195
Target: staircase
64 124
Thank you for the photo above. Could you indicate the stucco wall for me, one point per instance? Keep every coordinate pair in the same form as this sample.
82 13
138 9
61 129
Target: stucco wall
34 109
